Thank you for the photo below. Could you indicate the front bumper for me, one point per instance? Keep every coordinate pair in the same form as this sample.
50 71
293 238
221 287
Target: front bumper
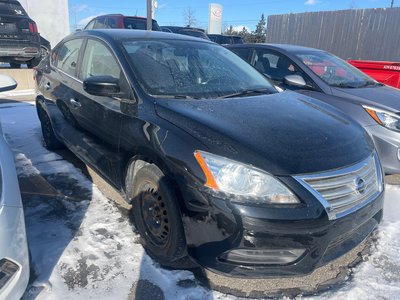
225 227
387 143
13 249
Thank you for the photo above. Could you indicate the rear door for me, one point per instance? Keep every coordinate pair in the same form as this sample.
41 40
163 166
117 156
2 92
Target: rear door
65 59
56 86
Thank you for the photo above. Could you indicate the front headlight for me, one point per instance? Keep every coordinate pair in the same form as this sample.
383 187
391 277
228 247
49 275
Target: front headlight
387 119
249 183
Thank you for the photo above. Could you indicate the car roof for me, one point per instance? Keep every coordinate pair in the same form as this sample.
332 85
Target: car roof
127 34
280 47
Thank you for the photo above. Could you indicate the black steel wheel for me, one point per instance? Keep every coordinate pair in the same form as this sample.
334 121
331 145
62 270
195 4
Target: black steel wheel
157 216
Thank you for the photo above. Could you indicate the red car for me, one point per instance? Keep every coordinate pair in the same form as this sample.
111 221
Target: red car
121 21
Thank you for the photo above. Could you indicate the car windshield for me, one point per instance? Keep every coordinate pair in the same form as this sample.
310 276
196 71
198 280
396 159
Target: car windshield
335 71
11 8
190 69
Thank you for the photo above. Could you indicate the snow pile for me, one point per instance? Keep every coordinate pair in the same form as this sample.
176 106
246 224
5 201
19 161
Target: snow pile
379 276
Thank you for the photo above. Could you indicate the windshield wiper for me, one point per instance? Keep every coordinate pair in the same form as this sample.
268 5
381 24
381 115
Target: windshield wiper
348 85
247 93
371 83
177 97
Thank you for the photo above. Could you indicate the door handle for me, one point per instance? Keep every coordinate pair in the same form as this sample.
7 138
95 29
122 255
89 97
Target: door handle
75 104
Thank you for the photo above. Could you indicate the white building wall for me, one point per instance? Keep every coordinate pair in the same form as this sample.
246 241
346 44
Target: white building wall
51 17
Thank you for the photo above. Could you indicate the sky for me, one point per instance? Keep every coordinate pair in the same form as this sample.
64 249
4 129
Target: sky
236 13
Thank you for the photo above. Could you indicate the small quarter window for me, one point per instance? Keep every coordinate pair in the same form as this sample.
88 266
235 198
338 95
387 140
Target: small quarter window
66 56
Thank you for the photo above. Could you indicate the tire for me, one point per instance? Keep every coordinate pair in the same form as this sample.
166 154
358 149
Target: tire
157 217
15 65
50 140
33 62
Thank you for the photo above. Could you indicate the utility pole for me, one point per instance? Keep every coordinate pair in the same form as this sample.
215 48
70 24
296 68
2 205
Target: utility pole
392 4
151 8
149 14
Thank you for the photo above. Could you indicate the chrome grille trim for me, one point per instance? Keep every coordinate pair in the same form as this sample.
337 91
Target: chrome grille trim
346 190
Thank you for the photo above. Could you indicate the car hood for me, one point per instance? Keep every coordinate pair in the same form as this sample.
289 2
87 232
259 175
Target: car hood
284 134
384 97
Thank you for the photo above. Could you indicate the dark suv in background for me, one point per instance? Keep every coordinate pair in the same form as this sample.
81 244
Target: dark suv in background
120 21
19 36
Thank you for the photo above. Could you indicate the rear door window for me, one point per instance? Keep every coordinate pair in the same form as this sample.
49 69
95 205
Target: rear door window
12 8
275 65
65 57
90 25
243 53
112 22
140 24
132 23
100 23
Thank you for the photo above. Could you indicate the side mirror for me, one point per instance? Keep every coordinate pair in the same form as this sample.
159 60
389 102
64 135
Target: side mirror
295 80
7 83
106 86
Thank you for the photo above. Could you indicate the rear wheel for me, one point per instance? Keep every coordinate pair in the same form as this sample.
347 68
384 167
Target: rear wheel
157 217
50 140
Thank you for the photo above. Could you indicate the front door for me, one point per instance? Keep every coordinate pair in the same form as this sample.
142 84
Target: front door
102 113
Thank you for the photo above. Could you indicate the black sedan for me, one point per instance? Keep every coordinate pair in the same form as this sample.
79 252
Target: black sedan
323 76
218 165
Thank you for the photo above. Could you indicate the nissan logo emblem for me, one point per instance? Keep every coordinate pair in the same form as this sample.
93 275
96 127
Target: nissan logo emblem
360 185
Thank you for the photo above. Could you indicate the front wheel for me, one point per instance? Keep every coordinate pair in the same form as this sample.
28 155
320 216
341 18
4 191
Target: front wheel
157 216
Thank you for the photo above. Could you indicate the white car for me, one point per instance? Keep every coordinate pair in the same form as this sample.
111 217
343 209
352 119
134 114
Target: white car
14 255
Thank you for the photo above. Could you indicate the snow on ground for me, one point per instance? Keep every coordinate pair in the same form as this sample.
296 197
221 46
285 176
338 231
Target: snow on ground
83 246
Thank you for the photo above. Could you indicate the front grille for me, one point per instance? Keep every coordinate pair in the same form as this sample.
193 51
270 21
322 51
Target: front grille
345 190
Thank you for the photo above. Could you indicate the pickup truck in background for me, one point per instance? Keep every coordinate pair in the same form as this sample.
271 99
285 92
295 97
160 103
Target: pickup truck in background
383 71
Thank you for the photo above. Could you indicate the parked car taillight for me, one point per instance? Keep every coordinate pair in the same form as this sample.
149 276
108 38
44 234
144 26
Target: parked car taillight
33 27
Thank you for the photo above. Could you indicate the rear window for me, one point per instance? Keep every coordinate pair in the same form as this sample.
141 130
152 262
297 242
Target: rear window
11 8
140 24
